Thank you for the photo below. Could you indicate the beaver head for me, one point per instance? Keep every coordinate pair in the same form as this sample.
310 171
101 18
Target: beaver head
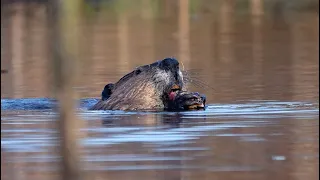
155 86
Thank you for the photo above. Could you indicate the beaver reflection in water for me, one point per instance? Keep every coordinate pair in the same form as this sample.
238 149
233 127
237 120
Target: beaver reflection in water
157 86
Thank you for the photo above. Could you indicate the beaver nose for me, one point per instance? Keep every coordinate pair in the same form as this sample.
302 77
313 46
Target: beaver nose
169 63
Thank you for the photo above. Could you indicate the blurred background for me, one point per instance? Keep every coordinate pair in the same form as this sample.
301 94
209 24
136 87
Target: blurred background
235 50
242 49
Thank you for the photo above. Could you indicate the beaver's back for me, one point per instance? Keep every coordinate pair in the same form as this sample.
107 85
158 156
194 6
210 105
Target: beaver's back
132 95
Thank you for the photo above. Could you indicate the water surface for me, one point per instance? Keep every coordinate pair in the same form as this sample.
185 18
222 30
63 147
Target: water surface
246 140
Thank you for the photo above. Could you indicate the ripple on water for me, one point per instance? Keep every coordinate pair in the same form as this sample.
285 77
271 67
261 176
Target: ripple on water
142 138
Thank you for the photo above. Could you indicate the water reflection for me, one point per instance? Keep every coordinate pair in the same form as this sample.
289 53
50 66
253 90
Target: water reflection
262 118
242 56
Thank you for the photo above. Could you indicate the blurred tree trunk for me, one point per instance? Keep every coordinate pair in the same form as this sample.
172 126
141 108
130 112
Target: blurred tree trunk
256 7
167 8
85 52
6 63
28 45
148 18
184 36
305 54
305 73
97 50
123 35
226 46
257 44
35 56
225 31
64 16
17 49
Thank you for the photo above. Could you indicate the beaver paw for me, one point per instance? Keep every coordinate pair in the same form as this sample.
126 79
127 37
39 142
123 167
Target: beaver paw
188 101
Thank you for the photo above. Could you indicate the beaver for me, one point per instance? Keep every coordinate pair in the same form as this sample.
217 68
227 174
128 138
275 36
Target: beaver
156 86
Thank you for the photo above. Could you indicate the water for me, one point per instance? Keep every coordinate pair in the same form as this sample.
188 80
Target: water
260 75
245 140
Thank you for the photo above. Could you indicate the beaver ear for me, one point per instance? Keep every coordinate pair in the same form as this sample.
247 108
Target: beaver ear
107 91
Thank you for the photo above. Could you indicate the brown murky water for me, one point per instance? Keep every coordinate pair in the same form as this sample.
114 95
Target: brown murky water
261 78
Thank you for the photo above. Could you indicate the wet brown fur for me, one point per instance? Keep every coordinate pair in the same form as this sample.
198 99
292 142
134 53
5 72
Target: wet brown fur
145 88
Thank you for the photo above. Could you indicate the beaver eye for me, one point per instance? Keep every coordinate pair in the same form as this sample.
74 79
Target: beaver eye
138 71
